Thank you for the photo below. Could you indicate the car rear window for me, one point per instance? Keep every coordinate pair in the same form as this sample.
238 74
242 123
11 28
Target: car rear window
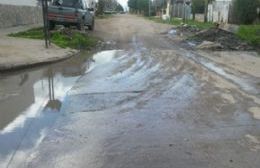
67 3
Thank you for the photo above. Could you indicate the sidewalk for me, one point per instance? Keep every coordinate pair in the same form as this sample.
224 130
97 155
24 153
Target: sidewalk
20 52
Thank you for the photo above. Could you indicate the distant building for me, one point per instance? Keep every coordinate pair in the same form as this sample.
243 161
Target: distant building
219 11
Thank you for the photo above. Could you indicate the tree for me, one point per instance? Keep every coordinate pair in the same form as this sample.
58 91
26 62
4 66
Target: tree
110 5
141 6
132 4
245 11
206 3
119 7
197 6
100 7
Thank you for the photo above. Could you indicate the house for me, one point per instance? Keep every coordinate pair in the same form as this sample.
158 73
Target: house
22 12
219 11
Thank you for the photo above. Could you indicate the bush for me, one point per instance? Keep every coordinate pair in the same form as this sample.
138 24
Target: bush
245 10
62 39
197 6
250 33
178 22
34 33
141 6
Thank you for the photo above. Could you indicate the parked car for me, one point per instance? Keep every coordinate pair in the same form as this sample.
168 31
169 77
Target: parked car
71 13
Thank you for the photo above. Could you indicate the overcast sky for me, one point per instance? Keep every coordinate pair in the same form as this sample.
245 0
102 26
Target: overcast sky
123 3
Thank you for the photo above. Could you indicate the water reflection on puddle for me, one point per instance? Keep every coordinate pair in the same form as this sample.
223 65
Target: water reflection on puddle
30 102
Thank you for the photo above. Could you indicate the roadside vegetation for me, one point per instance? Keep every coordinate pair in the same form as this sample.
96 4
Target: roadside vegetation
140 6
104 16
108 7
63 38
245 11
178 21
250 33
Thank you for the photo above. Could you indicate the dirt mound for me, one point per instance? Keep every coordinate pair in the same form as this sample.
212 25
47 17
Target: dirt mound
227 40
188 28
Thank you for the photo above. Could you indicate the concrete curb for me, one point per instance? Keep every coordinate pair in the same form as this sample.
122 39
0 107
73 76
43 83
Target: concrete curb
24 65
14 53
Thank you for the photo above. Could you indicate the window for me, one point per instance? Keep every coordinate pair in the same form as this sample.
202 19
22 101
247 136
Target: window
67 3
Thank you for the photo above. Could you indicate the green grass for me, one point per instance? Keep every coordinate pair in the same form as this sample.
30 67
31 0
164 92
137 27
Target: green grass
76 40
104 16
201 25
35 33
172 21
177 22
250 33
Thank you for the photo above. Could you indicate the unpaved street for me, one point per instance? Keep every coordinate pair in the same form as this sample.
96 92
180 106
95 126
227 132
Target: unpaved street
149 103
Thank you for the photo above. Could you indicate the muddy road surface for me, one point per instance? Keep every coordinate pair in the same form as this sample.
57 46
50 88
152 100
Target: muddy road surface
148 103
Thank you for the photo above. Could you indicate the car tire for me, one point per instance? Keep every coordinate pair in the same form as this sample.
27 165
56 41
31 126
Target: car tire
80 26
92 26
51 25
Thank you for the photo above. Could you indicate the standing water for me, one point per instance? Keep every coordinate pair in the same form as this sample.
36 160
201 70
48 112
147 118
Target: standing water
30 102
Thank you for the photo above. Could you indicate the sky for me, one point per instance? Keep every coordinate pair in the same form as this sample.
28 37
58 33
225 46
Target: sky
123 3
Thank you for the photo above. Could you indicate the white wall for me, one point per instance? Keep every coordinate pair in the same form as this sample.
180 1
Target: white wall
19 2
218 11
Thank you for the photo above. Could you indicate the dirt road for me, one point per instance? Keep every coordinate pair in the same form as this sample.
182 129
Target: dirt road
152 104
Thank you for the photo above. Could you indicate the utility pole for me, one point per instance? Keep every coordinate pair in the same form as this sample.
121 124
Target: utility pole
155 8
149 8
206 11
184 11
258 15
45 22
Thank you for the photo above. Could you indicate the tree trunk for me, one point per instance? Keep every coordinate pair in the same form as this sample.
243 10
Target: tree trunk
206 11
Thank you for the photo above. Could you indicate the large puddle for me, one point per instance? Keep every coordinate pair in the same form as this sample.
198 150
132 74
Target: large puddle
30 102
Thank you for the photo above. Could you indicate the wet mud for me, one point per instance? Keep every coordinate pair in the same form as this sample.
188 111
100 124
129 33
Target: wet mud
140 106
